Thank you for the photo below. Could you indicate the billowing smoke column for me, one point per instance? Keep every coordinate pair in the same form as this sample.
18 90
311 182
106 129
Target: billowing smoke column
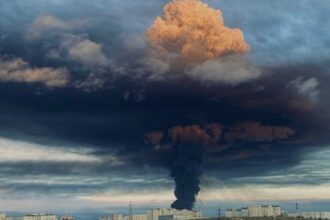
194 32
185 163
182 148
186 170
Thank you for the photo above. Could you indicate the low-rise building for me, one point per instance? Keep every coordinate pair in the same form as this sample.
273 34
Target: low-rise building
244 211
39 217
172 214
105 218
112 217
183 215
255 211
67 218
116 217
277 210
233 213
315 215
135 217
14 218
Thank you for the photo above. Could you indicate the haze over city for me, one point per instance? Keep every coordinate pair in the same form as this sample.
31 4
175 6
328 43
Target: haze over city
183 104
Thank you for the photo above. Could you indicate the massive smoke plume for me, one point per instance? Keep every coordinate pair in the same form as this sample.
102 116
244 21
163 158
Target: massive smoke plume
191 32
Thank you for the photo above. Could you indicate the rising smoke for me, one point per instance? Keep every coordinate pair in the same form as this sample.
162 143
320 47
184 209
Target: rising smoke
185 159
183 148
191 32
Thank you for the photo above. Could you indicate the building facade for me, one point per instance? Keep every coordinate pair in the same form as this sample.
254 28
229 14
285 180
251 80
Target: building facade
39 217
172 214
233 213
255 211
138 217
315 215
112 217
154 214
179 216
116 217
67 218
105 218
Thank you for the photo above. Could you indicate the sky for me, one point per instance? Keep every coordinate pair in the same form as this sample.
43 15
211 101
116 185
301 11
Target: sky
108 102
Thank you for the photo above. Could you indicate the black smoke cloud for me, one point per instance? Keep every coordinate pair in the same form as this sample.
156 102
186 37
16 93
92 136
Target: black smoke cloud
182 149
116 117
186 170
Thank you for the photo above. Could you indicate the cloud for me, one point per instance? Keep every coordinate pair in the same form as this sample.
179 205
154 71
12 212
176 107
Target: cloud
195 32
267 193
231 70
93 82
248 193
50 22
86 52
254 131
281 37
18 70
74 46
16 151
47 23
312 170
154 64
142 196
64 42
306 87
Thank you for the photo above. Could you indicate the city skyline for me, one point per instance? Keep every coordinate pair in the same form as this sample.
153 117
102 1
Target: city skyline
264 210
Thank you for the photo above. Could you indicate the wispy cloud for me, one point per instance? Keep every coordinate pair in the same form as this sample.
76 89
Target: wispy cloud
47 23
84 51
245 193
18 70
16 151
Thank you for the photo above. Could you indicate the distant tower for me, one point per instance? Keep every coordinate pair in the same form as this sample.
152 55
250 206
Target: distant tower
219 212
297 209
130 210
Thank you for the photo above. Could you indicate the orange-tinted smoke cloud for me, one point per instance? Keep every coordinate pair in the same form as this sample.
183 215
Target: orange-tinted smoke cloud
195 32
208 134
254 131
215 134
